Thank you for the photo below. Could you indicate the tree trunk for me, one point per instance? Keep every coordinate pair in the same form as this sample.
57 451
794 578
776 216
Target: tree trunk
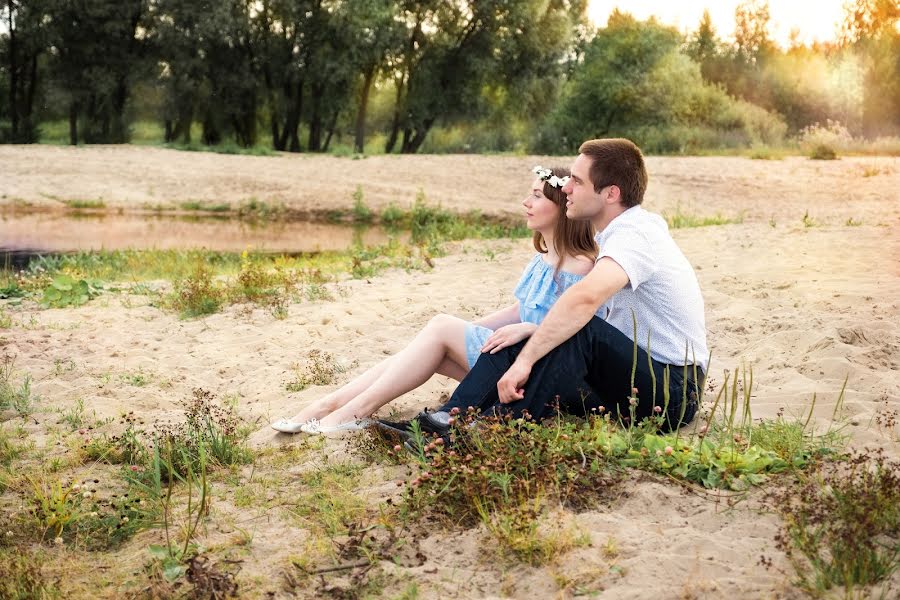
395 122
360 141
296 111
13 76
167 136
331 125
412 146
315 120
73 123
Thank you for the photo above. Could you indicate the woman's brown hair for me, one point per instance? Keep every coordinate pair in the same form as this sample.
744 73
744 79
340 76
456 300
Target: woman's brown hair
570 237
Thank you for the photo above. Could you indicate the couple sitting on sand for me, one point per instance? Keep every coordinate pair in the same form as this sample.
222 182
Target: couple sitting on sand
589 331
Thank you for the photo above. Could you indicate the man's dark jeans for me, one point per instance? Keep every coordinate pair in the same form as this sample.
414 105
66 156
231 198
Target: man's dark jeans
589 370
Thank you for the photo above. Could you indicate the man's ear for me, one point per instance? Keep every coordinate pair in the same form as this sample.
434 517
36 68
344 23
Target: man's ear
614 194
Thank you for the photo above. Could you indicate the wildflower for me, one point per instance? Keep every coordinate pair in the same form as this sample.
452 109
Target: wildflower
657 409
659 452
134 468
93 514
601 409
634 391
633 401
454 411
58 541
86 495
124 519
397 448
644 452
669 450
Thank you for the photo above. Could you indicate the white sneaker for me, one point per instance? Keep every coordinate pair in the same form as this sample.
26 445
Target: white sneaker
315 427
288 426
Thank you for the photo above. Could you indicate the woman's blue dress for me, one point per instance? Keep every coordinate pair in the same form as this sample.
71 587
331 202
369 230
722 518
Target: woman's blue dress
536 292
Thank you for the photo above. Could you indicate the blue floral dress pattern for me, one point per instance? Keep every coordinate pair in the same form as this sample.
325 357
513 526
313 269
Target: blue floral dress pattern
536 292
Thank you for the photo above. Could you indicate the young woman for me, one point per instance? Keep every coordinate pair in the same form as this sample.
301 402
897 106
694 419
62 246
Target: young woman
449 345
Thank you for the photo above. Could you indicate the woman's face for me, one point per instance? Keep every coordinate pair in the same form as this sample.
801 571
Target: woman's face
541 212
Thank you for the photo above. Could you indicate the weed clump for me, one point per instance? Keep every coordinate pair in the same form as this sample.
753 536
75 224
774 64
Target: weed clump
842 523
21 577
197 294
14 397
320 369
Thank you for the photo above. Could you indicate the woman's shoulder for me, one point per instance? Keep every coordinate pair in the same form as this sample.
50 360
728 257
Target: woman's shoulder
577 265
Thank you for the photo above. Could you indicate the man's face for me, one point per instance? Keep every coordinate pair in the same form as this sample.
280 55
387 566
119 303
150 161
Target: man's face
583 202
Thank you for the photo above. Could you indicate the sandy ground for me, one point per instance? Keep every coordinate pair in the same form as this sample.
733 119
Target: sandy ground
806 307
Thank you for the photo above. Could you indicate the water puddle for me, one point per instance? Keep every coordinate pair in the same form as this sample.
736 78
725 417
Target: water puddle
23 235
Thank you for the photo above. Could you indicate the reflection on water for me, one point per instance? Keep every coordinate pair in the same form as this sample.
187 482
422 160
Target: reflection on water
58 232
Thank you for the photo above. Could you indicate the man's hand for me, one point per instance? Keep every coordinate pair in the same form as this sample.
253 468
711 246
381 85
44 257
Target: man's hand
511 386
507 336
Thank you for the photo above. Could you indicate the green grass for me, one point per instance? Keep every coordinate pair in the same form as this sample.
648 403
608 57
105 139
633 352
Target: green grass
85 204
682 220
196 205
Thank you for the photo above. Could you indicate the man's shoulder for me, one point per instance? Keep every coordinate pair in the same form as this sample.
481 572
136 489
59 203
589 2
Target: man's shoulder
636 221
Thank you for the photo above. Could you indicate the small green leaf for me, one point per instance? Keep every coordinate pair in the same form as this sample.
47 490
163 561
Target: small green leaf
173 572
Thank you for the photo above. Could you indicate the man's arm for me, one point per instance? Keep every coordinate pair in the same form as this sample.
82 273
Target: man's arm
569 314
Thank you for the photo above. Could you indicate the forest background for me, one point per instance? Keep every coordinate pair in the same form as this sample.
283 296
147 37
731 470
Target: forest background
465 76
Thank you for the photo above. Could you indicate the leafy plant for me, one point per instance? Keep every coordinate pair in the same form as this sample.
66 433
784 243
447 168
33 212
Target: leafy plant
65 291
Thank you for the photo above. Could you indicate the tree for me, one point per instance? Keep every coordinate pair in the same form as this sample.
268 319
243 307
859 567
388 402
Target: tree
454 50
99 49
20 49
870 33
376 33
751 30
636 82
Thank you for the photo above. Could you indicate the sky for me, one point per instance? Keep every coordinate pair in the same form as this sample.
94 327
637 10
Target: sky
815 20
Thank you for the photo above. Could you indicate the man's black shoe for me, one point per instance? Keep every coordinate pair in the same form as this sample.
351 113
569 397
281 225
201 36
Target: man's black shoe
430 423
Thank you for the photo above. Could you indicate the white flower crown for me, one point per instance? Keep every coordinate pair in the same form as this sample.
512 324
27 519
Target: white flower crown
548 176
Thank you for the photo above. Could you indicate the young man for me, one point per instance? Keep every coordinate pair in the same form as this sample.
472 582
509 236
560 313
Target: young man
582 362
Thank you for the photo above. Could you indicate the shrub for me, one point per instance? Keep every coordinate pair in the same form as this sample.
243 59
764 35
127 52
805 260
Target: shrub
823 142
822 152
197 294
842 524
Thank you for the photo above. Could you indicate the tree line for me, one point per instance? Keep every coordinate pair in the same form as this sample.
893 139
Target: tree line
507 74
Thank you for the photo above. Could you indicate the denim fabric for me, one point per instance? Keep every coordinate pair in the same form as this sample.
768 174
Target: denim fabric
591 369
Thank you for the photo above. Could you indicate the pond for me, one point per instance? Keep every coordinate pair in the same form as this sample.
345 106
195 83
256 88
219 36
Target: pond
26 234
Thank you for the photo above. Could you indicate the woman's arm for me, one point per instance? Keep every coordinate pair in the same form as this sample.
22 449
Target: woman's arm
505 316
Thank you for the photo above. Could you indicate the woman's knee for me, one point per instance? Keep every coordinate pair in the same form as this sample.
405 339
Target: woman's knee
442 323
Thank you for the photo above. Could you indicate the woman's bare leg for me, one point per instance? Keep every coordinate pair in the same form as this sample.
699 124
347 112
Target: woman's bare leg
439 348
342 395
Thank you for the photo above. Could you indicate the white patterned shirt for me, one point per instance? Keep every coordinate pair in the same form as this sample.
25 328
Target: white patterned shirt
662 289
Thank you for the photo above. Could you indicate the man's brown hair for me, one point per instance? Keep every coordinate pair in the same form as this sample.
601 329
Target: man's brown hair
619 162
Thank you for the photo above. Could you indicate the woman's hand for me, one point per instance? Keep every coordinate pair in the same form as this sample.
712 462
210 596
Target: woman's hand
507 336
